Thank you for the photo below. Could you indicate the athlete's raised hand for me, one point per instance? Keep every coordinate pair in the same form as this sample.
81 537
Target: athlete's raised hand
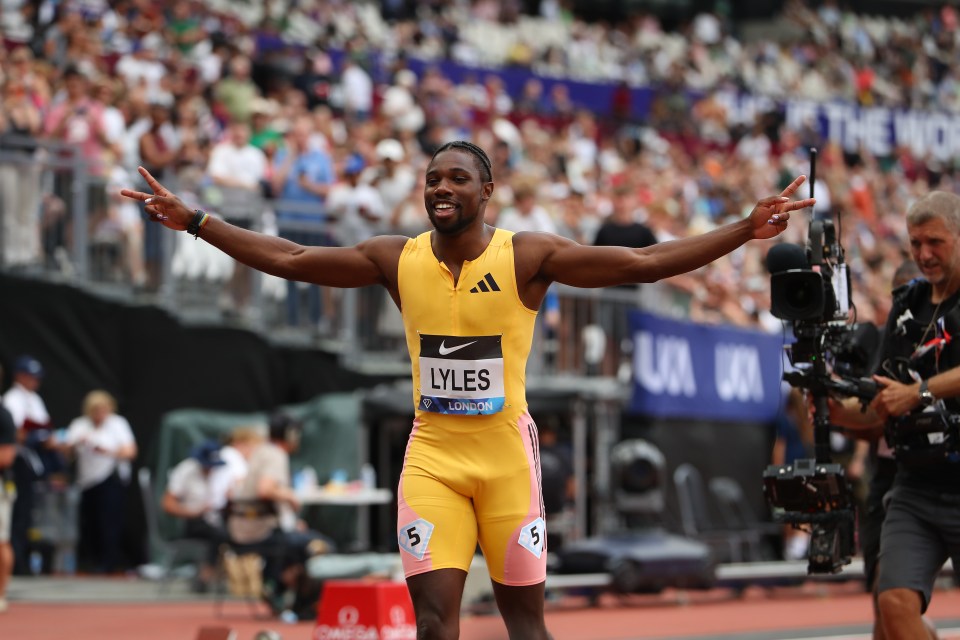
162 205
769 218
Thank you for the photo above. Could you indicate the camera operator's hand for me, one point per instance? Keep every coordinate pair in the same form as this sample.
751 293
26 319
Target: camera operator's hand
895 398
162 206
769 217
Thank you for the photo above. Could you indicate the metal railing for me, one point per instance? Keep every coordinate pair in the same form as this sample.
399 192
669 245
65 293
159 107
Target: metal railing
83 240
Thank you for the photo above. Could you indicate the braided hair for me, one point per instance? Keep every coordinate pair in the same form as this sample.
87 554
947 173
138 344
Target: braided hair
479 156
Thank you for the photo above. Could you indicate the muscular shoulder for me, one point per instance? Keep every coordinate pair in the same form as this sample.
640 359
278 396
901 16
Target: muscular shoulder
531 248
384 250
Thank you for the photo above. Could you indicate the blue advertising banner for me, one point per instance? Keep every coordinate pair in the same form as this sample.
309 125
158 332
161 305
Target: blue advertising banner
686 370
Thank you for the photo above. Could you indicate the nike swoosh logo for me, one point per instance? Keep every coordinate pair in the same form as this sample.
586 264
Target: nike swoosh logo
445 351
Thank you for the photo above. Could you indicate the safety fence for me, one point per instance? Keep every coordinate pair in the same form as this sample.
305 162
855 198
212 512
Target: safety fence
64 222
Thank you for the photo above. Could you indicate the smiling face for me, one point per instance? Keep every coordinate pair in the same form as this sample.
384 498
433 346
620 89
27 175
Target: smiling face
454 192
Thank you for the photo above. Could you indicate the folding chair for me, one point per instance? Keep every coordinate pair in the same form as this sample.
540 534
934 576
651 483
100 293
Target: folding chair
696 519
737 515
246 561
171 550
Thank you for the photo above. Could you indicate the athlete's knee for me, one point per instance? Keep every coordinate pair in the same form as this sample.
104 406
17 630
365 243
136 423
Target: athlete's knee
436 604
434 625
899 604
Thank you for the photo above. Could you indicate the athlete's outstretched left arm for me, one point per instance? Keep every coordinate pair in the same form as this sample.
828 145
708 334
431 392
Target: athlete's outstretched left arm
577 265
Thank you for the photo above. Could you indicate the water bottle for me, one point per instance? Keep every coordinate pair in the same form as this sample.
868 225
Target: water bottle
36 563
308 478
368 476
69 563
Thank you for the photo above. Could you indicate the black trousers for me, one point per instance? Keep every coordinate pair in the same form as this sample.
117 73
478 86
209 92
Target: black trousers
102 523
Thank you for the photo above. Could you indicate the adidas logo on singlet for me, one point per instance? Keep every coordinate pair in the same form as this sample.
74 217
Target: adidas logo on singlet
486 285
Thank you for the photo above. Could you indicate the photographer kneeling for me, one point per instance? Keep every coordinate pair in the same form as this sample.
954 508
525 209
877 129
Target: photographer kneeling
919 406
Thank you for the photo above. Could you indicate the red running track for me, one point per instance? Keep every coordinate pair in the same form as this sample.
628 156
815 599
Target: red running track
810 611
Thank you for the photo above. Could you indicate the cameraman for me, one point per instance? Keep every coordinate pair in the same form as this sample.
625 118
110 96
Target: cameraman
918 368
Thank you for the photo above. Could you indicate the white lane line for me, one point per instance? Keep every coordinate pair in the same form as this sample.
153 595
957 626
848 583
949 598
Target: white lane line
943 633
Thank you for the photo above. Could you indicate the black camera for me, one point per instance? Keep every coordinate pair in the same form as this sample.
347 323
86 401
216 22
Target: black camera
928 437
812 283
815 495
810 288
807 487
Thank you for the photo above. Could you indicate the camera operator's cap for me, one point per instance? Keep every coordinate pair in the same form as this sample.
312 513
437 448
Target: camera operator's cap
390 149
29 365
207 453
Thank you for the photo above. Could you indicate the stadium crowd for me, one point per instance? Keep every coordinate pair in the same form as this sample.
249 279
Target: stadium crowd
314 103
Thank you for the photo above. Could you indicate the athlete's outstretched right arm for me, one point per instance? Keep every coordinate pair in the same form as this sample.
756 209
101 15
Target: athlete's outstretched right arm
365 264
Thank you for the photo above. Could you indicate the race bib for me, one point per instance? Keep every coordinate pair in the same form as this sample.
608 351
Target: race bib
461 374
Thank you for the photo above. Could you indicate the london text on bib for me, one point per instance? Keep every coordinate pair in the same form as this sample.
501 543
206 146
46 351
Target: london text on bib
461 374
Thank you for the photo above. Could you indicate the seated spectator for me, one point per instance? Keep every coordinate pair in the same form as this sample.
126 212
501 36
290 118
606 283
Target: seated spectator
104 446
196 493
267 490
238 170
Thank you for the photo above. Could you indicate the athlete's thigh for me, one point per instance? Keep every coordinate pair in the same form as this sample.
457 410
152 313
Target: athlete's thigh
509 508
436 525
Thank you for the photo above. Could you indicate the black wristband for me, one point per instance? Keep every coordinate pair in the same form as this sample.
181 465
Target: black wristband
194 227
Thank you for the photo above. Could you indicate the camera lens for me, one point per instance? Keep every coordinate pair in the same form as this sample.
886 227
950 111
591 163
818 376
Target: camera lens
799 296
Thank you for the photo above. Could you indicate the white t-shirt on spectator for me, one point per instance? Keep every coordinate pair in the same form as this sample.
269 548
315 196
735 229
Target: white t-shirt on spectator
24 404
345 202
537 220
93 467
209 493
393 189
136 70
193 490
357 89
246 164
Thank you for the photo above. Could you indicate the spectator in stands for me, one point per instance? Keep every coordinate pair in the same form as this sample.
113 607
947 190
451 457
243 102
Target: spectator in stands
268 484
32 421
78 120
158 148
526 214
185 29
238 170
103 444
197 491
393 178
236 93
361 214
142 68
21 123
357 87
358 207
301 179
624 225
8 494
265 134
621 228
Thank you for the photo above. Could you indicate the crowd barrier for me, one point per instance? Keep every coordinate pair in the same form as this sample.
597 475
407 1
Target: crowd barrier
81 234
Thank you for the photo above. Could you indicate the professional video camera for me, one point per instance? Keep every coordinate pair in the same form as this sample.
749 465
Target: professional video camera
810 288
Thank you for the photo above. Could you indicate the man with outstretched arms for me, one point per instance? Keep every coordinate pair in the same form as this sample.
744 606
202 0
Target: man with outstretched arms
469 294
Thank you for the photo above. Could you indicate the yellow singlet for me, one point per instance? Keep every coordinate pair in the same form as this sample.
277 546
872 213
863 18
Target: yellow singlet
471 472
